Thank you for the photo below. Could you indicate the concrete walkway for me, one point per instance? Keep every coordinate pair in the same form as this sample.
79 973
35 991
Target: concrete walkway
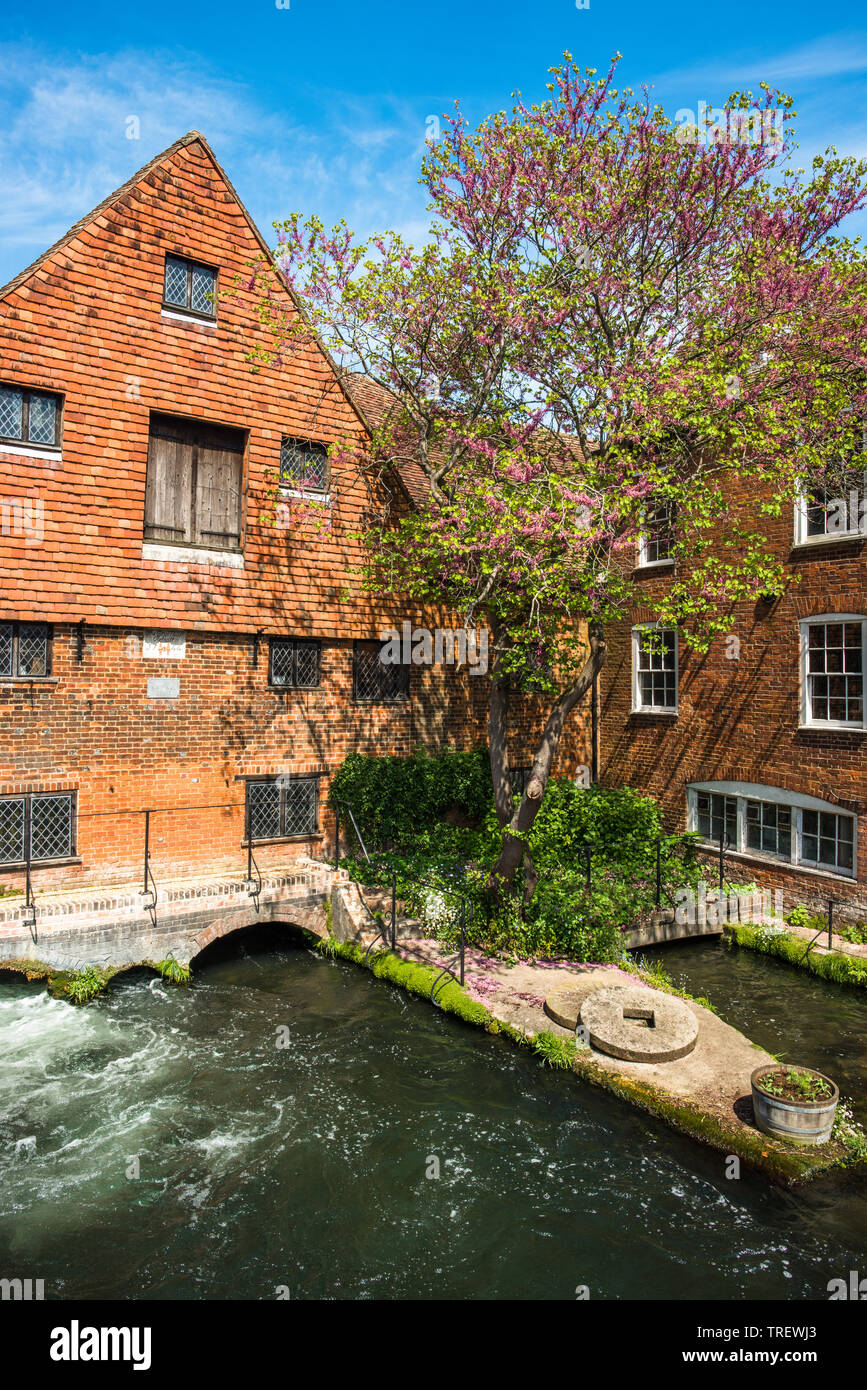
715 1075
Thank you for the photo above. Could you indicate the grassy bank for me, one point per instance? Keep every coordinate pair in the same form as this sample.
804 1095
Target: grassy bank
834 965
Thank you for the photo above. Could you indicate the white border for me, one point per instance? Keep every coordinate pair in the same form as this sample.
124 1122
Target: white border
806 719
798 801
637 706
191 555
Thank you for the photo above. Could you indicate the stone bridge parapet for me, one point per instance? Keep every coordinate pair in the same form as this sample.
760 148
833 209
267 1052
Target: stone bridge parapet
113 928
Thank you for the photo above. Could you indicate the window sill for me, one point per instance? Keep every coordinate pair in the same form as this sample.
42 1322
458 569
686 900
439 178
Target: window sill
31 451
308 495
285 840
770 862
188 316
29 680
42 864
826 727
646 713
827 542
649 566
191 555
389 704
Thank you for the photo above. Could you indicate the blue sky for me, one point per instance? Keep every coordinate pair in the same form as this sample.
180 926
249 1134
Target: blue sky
322 106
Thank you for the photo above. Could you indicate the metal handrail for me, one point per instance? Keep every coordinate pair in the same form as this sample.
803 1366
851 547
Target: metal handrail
378 918
146 891
821 930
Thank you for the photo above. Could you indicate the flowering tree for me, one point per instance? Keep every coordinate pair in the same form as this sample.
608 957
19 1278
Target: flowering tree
613 315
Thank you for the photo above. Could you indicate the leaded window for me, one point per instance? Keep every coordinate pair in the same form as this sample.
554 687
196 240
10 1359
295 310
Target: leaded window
191 287
303 464
519 777
835 672
293 664
33 417
45 823
379 681
282 808
25 649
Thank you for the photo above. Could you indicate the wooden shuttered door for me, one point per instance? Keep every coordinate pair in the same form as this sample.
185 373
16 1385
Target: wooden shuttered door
194 481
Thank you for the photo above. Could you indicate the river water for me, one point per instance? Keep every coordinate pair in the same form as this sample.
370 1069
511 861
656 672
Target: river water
161 1144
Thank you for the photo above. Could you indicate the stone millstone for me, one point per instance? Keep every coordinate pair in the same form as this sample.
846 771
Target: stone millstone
564 1004
639 1025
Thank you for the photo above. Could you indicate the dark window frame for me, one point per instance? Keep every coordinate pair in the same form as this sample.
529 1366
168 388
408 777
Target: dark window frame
28 798
16 626
294 643
313 446
194 433
207 316
26 393
281 781
404 694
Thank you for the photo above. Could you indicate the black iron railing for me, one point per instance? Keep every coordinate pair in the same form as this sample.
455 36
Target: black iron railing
389 879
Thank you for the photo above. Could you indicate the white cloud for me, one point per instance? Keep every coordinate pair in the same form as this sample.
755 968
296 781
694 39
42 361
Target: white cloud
65 145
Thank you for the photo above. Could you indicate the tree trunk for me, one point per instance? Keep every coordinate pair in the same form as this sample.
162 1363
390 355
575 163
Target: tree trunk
498 743
517 825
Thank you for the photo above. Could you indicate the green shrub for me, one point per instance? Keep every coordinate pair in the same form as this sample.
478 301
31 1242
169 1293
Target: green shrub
555 1050
173 971
399 804
79 986
396 800
832 965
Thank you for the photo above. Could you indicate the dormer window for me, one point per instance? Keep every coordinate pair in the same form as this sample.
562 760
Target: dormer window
29 417
190 288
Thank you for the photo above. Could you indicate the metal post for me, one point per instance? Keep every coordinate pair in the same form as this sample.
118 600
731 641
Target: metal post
722 858
337 834
463 935
830 920
147 849
658 873
393 908
248 829
29 902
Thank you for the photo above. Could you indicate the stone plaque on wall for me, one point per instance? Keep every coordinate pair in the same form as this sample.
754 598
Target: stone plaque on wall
163 688
164 646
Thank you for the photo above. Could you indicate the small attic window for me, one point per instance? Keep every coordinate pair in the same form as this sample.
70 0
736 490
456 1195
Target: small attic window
190 288
33 417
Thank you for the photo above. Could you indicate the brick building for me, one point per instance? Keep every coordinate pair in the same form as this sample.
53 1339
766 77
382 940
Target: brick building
764 738
170 639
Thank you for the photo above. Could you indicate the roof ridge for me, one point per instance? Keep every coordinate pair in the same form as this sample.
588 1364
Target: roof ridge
189 139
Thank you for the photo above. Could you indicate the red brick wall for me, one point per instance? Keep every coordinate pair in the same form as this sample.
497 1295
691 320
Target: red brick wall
93 730
738 719
88 323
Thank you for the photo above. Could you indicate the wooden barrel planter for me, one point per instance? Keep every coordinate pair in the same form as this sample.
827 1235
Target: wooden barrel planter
788 1117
